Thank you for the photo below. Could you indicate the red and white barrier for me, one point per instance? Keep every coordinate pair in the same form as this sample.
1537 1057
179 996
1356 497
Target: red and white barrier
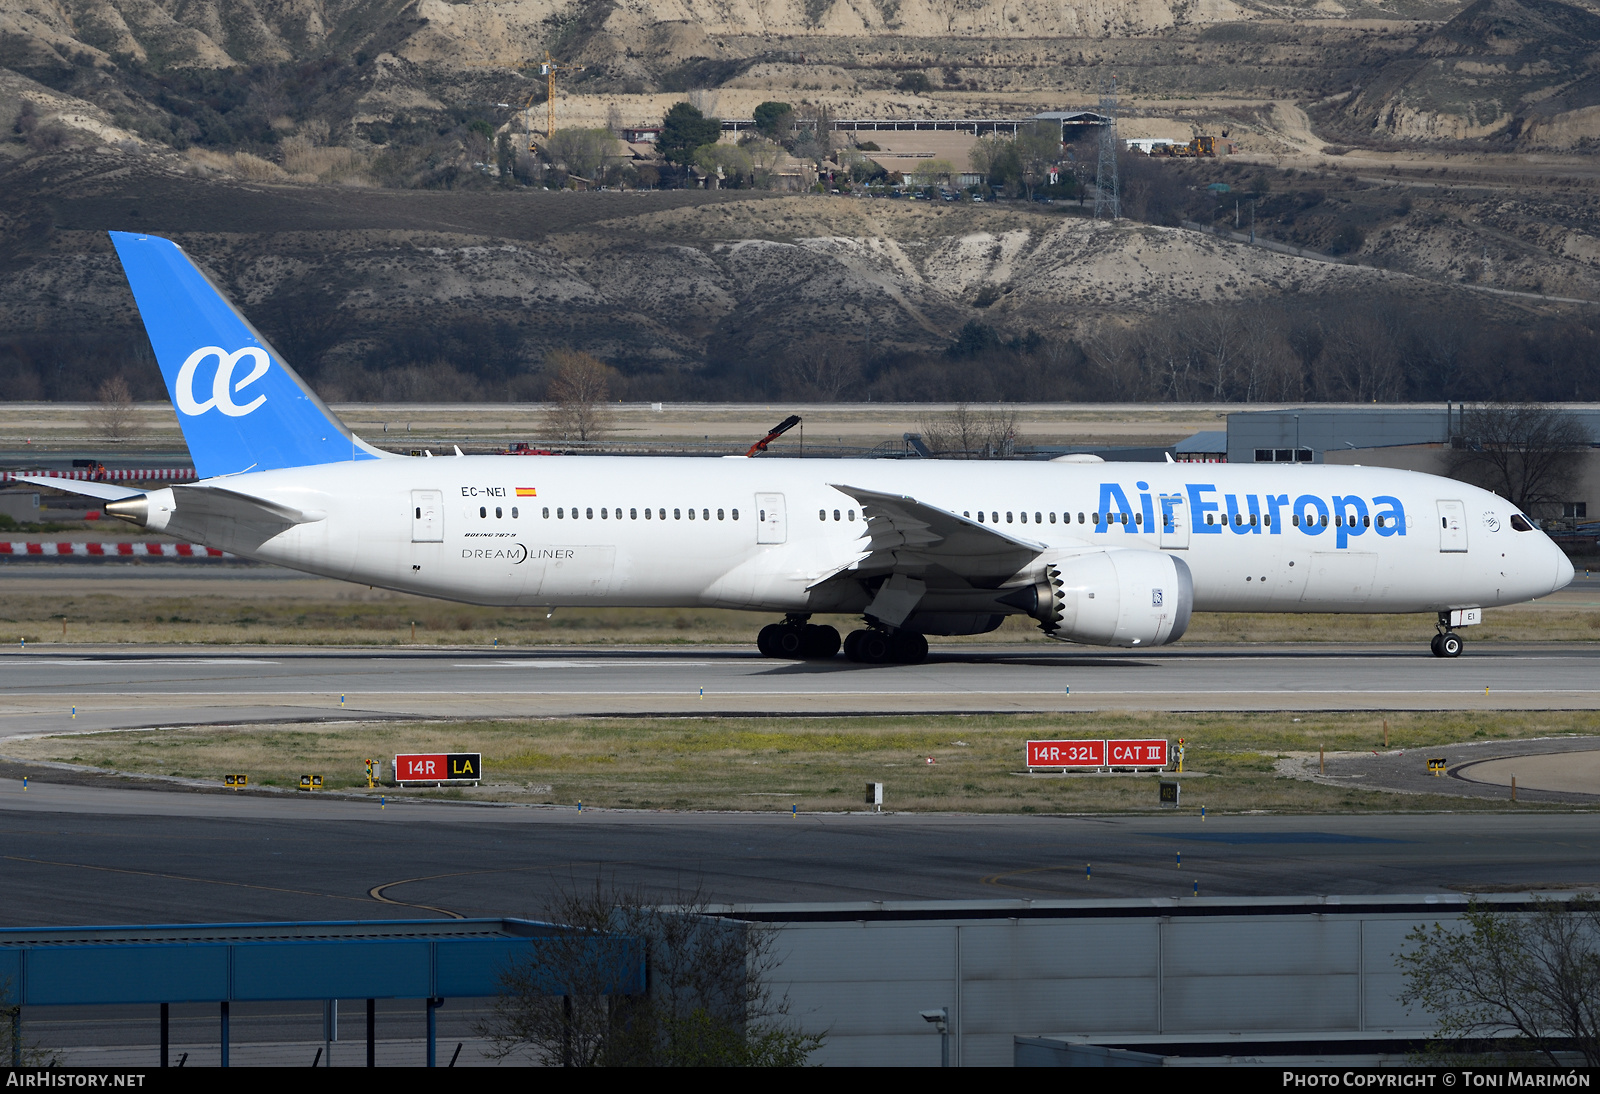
108 550
112 474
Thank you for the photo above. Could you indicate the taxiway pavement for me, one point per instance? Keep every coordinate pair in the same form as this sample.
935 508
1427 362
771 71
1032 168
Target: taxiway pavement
81 854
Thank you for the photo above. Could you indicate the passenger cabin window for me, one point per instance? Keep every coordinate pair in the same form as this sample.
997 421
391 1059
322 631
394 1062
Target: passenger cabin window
734 513
497 515
691 514
589 513
850 514
705 514
677 514
482 512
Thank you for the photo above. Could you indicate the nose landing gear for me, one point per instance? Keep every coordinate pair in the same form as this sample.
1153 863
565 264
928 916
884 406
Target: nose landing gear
796 640
1446 644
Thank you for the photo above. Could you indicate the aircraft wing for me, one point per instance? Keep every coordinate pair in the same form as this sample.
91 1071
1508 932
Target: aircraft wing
918 540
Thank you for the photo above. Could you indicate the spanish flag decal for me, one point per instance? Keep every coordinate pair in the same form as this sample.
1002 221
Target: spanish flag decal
527 492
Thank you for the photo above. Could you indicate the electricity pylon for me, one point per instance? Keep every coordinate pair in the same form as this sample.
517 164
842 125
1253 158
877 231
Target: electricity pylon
1106 195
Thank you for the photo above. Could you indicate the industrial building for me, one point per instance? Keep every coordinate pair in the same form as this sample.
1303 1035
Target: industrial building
1413 438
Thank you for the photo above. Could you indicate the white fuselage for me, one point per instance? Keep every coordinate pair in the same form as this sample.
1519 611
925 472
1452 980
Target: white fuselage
761 533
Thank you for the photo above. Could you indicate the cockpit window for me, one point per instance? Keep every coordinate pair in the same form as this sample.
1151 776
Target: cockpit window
1520 523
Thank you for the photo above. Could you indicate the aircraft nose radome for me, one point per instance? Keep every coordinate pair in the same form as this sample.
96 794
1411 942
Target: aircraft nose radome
1564 571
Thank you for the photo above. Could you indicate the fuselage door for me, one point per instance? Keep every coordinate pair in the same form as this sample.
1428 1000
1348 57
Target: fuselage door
427 516
1174 522
1452 526
771 524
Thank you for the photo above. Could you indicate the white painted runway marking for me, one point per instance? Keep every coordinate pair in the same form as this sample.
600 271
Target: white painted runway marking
534 663
118 663
693 691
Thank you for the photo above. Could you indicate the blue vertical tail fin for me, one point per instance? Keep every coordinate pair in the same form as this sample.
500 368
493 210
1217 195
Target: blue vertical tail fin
240 405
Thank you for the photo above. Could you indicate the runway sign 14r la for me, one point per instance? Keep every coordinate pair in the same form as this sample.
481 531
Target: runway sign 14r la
438 767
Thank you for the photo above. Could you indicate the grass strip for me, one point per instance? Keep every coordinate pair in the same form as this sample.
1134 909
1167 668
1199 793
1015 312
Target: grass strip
823 764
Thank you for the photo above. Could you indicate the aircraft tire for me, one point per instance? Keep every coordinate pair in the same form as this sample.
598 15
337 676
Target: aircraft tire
908 648
790 642
767 640
852 644
1450 644
868 647
875 647
1434 645
821 642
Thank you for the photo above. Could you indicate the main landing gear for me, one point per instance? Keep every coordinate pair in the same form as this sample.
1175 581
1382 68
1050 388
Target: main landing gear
796 640
1447 643
873 646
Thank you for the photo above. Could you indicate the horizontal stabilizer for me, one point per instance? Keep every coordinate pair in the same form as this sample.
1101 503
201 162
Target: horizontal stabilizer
105 490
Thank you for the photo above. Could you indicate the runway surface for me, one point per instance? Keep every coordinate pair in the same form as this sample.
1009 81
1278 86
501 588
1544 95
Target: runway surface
71 854
130 688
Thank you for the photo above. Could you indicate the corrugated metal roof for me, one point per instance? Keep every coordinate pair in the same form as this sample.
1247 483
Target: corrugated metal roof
1206 441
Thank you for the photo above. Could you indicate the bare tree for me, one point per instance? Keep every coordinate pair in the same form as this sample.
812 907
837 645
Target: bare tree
1113 350
968 434
1535 973
116 417
823 368
1528 454
1266 366
1361 362
15 1049
710 1000
579 388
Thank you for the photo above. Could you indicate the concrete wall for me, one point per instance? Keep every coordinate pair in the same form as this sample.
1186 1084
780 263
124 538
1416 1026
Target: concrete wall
1129 967
20 505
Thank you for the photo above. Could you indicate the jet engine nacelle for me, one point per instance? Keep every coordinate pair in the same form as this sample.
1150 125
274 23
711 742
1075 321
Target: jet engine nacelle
1114 598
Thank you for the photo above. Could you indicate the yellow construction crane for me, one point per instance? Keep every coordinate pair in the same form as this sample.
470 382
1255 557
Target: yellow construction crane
548 69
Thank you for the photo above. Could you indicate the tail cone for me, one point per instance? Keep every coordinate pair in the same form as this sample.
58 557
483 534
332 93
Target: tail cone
135 510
